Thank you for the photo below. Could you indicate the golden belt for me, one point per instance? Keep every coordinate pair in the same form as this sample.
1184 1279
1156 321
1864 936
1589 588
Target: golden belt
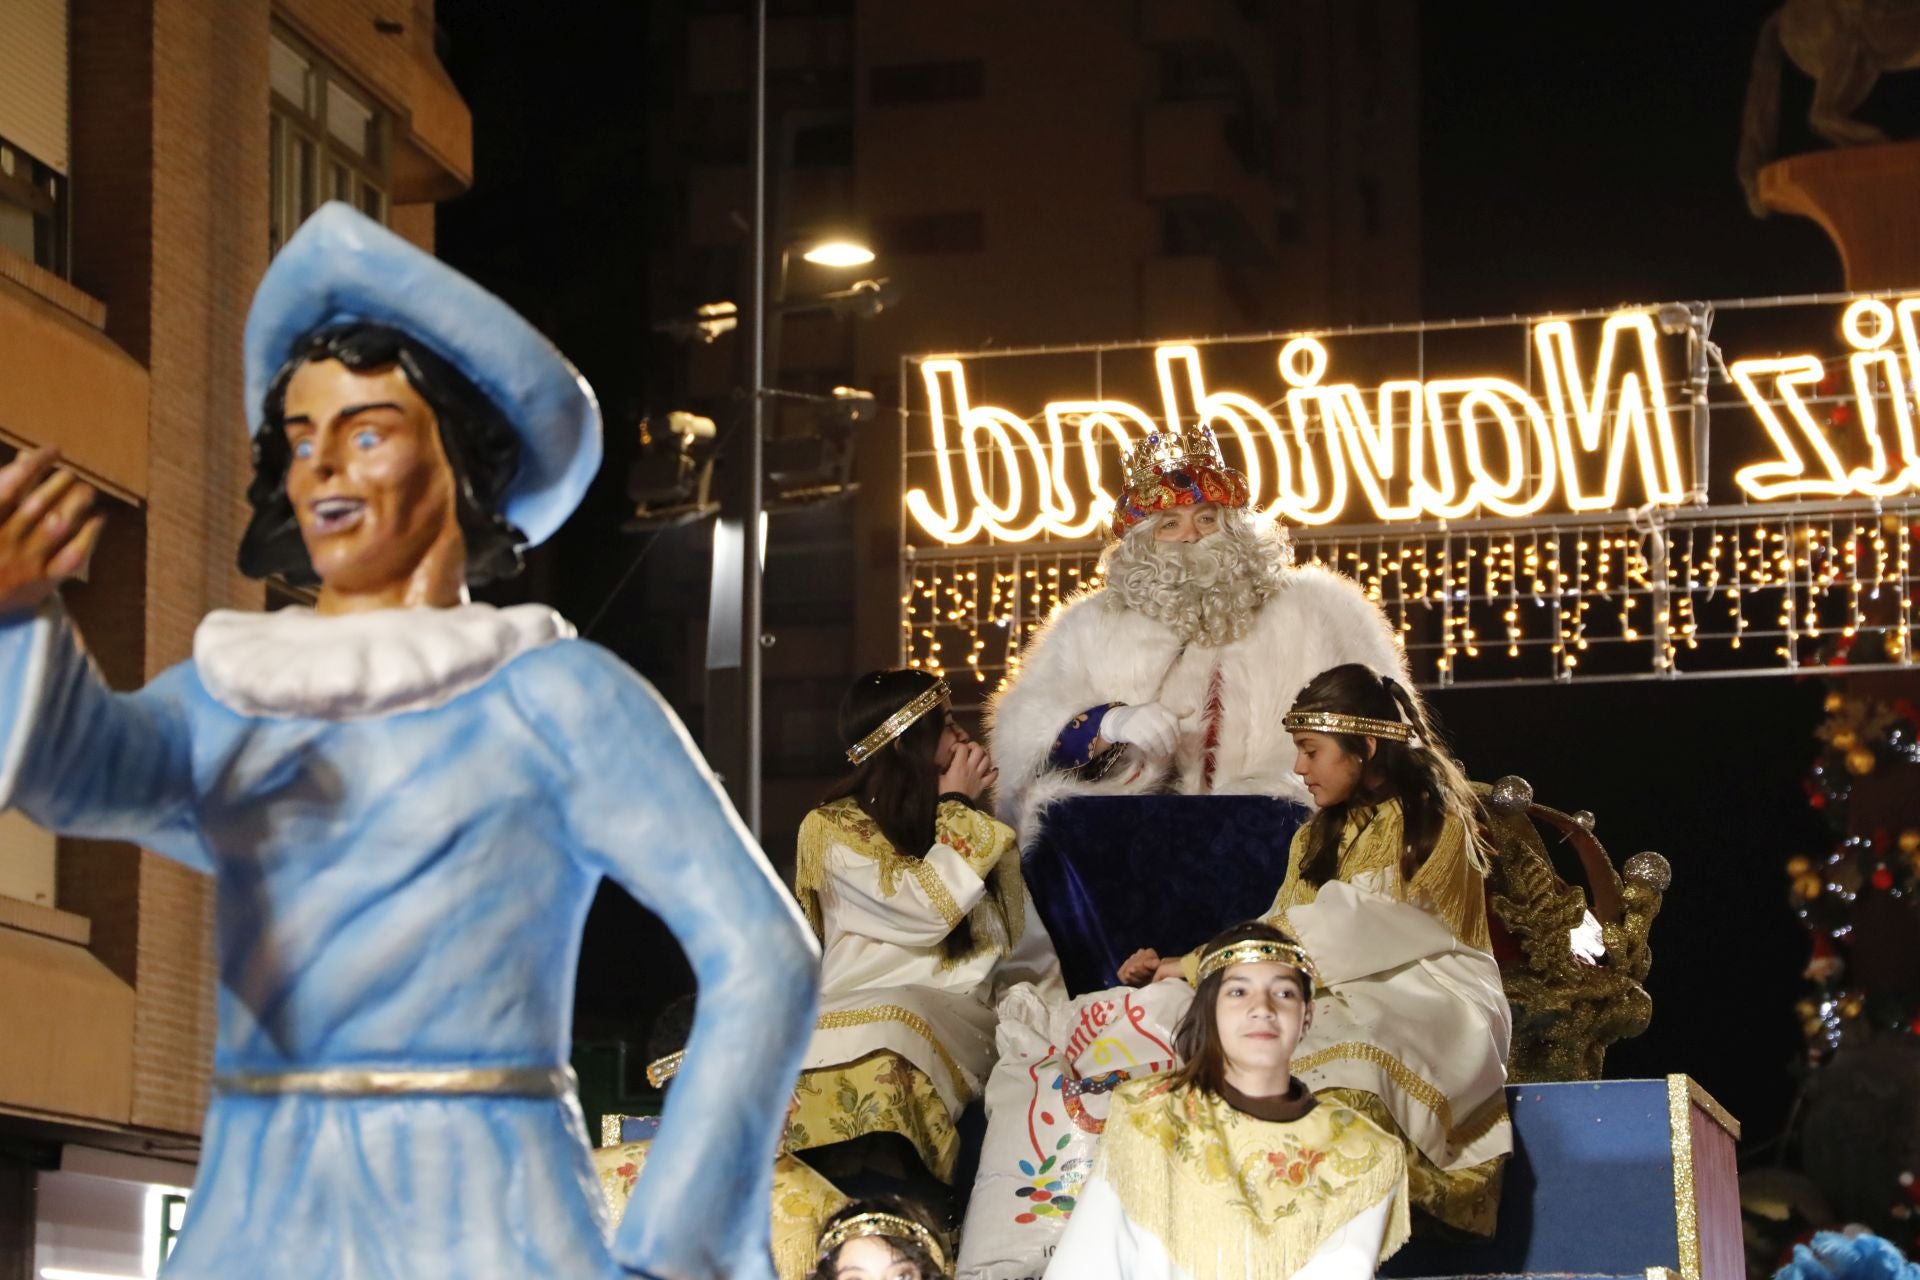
355 1082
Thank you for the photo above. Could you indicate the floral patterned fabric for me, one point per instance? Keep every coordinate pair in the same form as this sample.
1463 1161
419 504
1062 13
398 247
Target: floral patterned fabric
802 1202
880 1093
1218 1187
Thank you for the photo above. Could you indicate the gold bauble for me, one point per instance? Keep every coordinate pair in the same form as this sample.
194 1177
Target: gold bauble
1845 739
1835 702
1860 762
1850 1007
1807 886
1910 841
1798 865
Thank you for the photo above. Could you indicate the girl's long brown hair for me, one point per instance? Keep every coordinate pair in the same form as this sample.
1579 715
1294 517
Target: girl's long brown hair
898 786
1420 774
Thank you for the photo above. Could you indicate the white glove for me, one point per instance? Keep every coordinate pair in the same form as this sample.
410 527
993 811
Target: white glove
1149 726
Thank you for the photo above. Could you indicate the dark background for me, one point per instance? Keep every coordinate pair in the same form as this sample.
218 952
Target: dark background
1574 155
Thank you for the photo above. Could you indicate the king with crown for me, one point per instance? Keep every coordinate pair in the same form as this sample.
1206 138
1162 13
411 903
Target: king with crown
1173 674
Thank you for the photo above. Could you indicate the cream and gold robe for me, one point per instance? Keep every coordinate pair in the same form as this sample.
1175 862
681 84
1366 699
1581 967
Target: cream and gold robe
1187 1188
886 983
1411 1007
802 1202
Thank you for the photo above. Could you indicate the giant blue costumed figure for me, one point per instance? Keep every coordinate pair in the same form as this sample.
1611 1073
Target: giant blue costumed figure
406 801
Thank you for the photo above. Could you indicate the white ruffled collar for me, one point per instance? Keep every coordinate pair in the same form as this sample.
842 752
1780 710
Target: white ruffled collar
296 664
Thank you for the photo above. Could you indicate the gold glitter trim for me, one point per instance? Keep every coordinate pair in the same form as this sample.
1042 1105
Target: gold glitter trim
1258 951
661 1070
1425 1092
1709 1104
1686 1208
1662 1273
936 890
896 724
1485 1118
906 1018
885 1225
610 1130
1357 726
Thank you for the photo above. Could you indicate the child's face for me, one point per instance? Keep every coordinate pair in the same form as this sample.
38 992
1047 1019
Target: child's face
1331 774
873 1258
1261 1013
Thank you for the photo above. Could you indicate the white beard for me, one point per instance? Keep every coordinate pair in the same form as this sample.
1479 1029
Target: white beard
1207 592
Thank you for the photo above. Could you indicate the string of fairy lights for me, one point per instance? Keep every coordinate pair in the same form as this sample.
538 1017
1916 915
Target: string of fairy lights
1752 590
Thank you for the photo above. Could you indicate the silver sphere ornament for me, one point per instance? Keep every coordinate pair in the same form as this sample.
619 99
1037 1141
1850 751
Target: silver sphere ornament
1583 819
1511 794
1651 870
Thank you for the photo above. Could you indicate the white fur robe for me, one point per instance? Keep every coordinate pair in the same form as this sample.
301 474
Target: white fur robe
1094 650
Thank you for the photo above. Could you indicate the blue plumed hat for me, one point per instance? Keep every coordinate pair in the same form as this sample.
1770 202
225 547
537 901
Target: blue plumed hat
341 267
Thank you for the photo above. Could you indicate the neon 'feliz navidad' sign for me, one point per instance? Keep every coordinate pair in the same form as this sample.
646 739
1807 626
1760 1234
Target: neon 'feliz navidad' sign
1596 435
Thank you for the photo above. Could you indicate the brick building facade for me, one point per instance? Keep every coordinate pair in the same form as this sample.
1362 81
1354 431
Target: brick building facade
152 153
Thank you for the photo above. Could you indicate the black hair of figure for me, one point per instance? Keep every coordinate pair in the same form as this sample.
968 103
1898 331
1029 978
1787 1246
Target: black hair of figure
903 1250
1422 777
481 446
898 786
1197 1037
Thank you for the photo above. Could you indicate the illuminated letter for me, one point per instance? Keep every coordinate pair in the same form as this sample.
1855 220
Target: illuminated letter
1583 425
946 381
1302 361
1789 374
1498 399
1241 416
1125 423
1869 327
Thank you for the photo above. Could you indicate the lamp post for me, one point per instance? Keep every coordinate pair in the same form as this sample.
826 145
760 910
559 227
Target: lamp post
734 617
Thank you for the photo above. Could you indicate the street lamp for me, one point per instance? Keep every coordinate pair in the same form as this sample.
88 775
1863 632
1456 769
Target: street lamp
838 253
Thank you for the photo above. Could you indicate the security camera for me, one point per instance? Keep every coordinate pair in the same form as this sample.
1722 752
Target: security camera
689 426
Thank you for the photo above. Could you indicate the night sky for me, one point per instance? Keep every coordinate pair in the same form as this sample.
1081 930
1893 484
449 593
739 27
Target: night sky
1574 155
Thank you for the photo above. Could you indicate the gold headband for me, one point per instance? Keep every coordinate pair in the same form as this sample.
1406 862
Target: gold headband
661 1070
1334 722
881 1224
896 724
1257 951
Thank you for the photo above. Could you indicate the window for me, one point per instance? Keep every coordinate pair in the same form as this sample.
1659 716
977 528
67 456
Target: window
960 232
34 139
33 209
926 82
326 141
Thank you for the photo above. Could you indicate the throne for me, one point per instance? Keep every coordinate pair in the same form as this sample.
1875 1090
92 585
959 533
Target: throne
1113 873
1609 1178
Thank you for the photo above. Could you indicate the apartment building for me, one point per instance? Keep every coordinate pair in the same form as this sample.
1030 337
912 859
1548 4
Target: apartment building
153 154
1054 172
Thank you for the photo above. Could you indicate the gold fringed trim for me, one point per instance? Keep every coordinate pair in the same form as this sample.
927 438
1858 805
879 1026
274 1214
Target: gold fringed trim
1422 1091
1221 1197
906 1018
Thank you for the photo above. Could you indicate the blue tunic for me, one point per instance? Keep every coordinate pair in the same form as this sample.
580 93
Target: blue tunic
407 890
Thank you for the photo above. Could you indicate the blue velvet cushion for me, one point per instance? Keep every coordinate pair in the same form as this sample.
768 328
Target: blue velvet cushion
1111 874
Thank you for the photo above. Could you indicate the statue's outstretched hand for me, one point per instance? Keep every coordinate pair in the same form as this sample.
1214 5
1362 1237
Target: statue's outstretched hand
48 528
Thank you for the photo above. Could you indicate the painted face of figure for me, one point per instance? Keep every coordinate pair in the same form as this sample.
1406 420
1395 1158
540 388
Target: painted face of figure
1260 1014
873 1258
952 734
1330 772
1188 524
369 480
